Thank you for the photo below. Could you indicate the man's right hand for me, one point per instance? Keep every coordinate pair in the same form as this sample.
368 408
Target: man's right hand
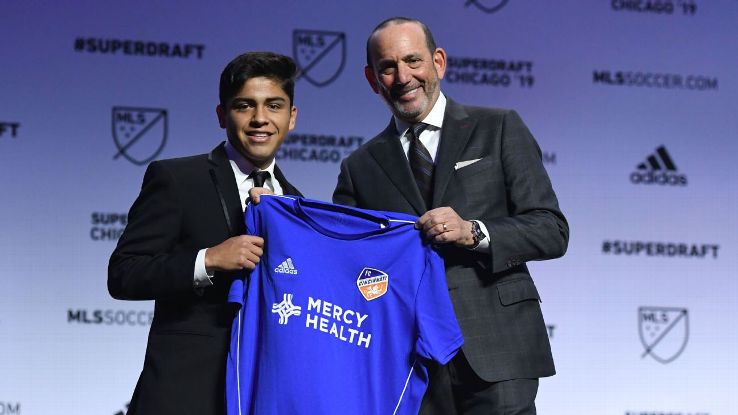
239 252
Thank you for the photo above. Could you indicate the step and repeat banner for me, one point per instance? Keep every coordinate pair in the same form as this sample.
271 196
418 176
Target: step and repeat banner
633 102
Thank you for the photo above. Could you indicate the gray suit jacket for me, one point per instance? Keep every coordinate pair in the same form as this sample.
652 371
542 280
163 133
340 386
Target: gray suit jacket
508 189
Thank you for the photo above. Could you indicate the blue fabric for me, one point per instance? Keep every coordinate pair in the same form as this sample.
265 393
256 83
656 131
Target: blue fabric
341 315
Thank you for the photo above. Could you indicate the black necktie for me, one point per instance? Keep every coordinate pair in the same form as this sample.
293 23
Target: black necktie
421 162
260 177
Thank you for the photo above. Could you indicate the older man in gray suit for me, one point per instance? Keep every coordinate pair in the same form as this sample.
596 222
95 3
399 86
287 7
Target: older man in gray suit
475 177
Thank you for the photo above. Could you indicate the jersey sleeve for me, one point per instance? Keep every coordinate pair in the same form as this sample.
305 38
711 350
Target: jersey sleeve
439 335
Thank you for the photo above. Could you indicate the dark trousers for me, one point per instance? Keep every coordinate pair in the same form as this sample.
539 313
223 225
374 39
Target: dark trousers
456 389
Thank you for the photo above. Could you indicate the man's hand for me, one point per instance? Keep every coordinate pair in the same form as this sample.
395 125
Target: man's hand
239 252
256 192
444 226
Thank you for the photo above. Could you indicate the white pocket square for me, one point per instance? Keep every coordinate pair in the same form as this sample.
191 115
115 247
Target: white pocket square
464 163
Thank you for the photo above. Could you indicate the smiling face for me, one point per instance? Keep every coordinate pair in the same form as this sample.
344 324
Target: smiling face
404 71
257 119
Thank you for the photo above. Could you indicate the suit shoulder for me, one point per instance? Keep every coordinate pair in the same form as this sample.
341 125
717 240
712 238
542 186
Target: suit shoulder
363 150
487 112
183 161
181 164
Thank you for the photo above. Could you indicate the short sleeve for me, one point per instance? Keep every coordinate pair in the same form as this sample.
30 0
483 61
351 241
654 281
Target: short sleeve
439 335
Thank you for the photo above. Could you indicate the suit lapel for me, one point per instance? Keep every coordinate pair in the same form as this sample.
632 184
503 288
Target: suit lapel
388 153
225 183
455 133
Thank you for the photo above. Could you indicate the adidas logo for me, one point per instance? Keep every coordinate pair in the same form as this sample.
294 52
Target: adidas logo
286 267
659 168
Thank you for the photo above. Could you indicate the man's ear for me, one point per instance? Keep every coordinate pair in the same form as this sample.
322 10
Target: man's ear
439 61
369 74
221 116
293 117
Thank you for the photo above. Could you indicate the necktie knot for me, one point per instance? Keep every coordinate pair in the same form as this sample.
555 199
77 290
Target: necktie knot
417 129
260 177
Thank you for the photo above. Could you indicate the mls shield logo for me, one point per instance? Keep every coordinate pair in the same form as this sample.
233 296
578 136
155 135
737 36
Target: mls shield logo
664 332
372 283
139 133
487 6
321 55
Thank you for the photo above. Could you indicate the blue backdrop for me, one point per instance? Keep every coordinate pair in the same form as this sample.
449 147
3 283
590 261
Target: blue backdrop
632 102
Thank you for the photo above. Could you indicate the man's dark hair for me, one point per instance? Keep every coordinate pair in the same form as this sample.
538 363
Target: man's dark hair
429 41
279 68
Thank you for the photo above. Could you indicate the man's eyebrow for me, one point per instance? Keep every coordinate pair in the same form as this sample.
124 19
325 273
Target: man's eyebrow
385 62
250 99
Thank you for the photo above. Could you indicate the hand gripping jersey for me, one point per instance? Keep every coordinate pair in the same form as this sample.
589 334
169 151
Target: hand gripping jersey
341 314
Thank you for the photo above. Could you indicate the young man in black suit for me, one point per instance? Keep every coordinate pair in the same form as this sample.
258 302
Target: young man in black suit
185 243
475 177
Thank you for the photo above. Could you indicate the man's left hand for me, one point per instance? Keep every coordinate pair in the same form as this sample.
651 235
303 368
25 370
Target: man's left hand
444 226
256 192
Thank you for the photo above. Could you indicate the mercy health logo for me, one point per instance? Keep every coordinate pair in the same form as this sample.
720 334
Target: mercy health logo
342 323
487 6
685 7
10 408
286 267
110 317
489 72
138 48
320 55
286 309
658 168
139 133
655 80
664 332
9 129
660 249
319 148
107 226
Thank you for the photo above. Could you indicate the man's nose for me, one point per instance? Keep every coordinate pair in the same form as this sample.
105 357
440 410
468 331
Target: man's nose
259 115
403 75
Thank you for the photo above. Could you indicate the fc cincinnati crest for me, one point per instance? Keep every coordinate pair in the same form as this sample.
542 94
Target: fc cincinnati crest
372 283
664 332
139 133
321 55
488 6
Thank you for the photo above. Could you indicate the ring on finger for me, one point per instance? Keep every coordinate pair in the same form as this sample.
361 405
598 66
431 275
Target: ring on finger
445 228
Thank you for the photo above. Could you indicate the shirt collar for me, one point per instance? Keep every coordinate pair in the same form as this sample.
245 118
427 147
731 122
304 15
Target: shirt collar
434 117
242 167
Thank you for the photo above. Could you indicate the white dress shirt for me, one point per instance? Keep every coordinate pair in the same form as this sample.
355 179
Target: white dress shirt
430 137
242 168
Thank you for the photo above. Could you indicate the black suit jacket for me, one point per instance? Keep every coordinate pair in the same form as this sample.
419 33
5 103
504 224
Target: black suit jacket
185 205
508 189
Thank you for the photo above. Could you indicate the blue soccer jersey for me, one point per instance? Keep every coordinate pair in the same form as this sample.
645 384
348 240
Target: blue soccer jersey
341 314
